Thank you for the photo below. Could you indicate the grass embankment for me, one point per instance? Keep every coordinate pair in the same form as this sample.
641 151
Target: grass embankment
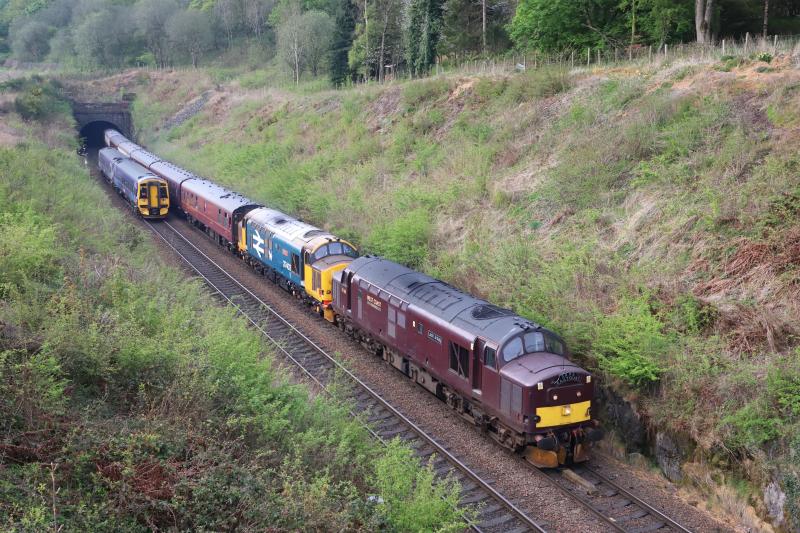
129 401
649 215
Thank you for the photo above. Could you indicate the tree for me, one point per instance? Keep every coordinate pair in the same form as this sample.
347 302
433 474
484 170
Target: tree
255 15
703 13
105 38
766 18
379 39
663 21
342 42
151 19
422 35
227 13
463 31
291 41
191 33
318 31
30 40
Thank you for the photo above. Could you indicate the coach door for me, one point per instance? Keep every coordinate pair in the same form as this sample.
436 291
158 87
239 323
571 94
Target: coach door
477 366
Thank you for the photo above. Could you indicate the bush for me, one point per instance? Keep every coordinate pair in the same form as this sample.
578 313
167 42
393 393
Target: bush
404 239
410 497
418 92
631 344
540 83
41 100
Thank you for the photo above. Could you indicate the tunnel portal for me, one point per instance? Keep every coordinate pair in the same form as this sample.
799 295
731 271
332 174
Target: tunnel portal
93 118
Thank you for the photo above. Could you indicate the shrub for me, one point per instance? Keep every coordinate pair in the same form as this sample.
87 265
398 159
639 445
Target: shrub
766 57
418 92
540 83
631 344
410 497
404 239
751 426
41 100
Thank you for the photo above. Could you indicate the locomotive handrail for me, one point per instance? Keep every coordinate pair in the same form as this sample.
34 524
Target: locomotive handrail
518 513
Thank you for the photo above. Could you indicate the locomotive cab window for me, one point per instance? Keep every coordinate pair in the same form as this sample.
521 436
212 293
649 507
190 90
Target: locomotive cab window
143 192
512 349
296 264
489 357
420 328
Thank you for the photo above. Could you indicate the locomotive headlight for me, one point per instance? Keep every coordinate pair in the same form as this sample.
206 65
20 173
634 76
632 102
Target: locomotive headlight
588 379
566 410
540 385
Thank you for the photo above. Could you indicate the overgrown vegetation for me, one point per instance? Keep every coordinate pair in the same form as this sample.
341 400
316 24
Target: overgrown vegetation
37 98
129 402
649 217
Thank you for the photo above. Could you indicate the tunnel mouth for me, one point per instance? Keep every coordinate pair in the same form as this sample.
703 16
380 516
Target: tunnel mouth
92 134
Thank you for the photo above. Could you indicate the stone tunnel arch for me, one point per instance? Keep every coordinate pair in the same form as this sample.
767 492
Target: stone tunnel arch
93 118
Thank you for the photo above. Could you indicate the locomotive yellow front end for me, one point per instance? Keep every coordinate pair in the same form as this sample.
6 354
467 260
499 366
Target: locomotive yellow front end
562 426
323 258
153 198
553 397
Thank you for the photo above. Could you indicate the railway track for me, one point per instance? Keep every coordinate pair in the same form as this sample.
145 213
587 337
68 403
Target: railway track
620 509
495 511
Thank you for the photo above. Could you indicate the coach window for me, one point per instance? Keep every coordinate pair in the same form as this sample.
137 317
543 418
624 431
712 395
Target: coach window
489 356
459 359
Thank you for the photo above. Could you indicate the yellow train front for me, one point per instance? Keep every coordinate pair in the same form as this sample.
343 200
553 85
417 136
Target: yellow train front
146 193
325 256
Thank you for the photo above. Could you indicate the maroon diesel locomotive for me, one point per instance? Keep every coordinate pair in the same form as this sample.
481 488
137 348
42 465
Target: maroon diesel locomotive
500 371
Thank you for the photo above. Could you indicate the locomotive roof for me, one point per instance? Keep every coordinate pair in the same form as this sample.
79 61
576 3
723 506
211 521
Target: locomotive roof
286 226
219 196
440 299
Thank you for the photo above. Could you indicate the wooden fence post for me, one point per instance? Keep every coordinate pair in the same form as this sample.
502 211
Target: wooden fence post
650 54
723 46
572 59
588 55
665 50
746 41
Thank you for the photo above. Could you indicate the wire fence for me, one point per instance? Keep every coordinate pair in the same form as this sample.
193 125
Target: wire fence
637 54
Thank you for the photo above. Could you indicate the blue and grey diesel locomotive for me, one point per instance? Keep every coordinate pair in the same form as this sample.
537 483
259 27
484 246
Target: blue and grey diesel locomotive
146 193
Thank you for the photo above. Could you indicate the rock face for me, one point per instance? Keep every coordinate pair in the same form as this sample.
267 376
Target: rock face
621 416
775 499
671 451
668 456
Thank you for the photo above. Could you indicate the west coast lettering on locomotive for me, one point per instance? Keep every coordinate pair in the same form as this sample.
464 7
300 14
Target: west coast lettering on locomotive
566 377
374 302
